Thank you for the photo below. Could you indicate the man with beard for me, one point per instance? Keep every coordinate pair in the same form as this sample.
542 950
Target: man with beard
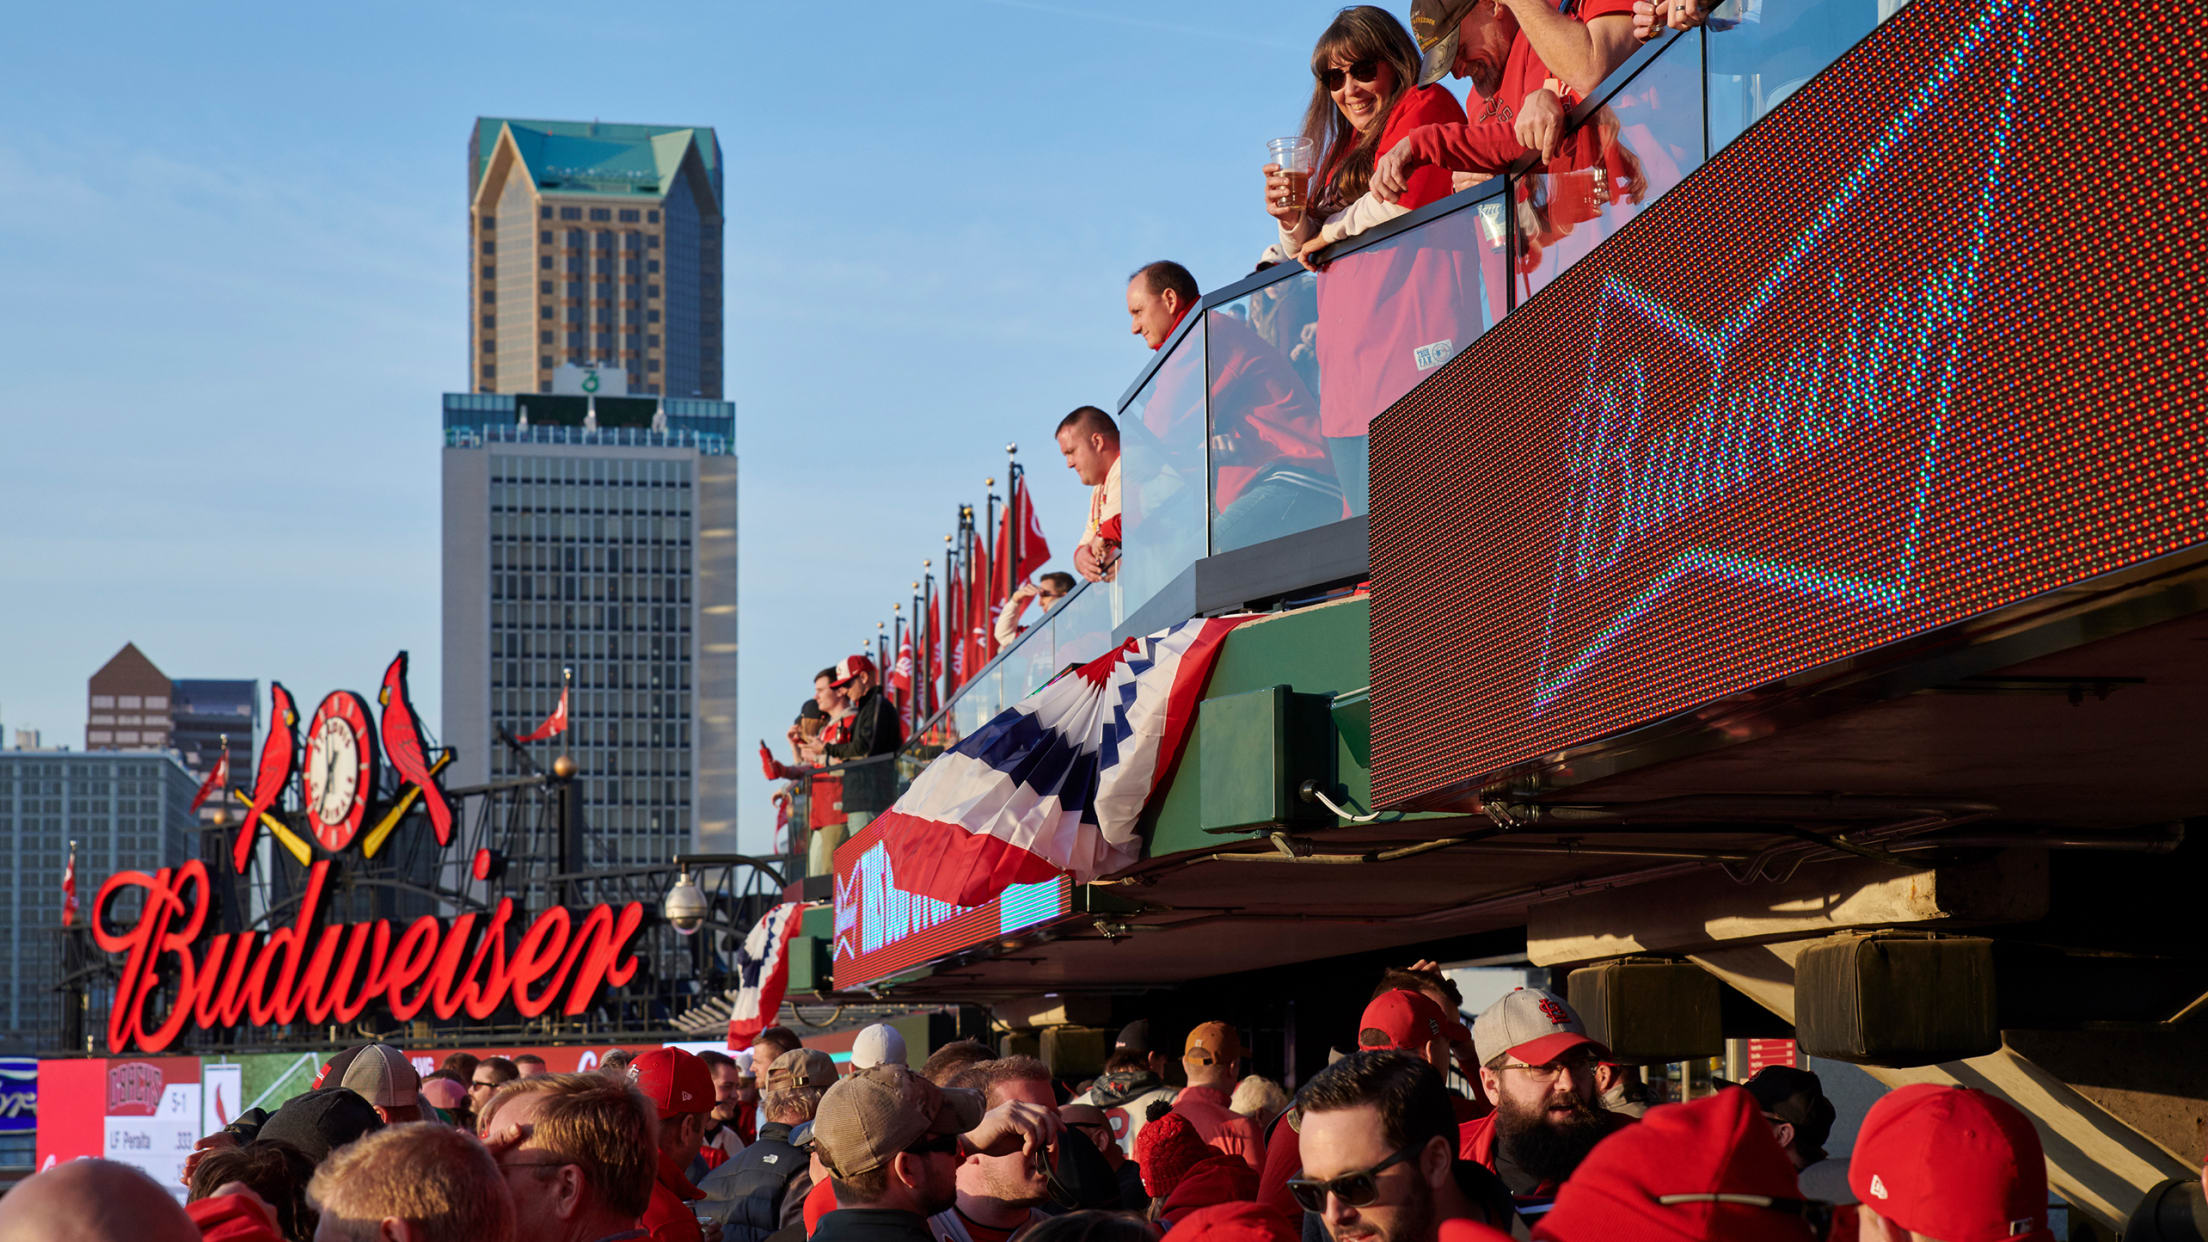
1379 1153
1538 1065
892 1143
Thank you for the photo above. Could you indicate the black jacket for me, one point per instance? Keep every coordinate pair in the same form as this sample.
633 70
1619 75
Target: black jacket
746 1193
869 788
872 1225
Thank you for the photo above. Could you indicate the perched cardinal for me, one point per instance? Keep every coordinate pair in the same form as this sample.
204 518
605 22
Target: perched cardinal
402 745
277 754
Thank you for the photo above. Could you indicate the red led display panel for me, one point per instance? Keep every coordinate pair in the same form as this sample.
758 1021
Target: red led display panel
882 930
1922 344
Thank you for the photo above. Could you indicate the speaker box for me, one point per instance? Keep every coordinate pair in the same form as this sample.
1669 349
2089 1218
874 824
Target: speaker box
1896 999
1647 1011
1021 1044
1076 1051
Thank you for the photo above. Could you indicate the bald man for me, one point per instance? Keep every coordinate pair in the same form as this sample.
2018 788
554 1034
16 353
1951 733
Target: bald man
93 1201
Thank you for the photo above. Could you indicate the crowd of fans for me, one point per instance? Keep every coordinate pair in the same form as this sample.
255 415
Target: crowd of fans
973 1146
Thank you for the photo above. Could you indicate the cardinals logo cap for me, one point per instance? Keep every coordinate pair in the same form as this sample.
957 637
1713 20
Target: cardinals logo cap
676 1082
1403 1020
850 667
1531 1025
1952 1163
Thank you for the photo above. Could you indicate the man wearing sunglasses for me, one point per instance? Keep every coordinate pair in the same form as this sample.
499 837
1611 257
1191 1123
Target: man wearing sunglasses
1538 1065
576 1153
891 1143
1379 1152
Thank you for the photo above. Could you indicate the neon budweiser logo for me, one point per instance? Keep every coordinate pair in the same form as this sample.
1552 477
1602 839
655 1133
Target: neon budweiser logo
1828 361
322 974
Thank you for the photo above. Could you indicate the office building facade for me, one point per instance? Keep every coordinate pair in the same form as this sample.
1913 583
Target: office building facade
597 536
125 810
127 704
204 713
594 245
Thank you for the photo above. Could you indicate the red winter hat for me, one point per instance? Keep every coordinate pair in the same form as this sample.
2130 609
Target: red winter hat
1235 1222
1212 1181
1954 1163
1717 1145
1165 1150
676 1082
1410 1020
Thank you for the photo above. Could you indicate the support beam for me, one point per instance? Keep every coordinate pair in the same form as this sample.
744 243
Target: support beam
2100 1165
1686 913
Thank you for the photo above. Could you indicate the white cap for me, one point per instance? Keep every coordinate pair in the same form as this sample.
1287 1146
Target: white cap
1530 1024
879 1044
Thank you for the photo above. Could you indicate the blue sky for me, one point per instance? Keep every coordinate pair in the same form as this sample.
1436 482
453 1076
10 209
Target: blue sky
234 242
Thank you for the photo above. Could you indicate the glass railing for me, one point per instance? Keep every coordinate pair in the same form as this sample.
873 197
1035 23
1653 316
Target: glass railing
1250 423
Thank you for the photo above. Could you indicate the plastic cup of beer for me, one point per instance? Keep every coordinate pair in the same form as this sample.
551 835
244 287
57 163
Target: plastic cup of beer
1294 155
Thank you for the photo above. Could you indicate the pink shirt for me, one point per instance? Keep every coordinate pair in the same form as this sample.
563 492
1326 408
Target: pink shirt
1227 1131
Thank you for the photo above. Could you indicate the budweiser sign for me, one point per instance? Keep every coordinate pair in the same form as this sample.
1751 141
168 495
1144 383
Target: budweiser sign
173 979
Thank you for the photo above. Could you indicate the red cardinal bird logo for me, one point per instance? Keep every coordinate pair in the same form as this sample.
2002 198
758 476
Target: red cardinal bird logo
277 754
402 745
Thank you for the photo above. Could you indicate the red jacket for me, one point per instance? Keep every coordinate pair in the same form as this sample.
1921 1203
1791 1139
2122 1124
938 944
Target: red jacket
233 1218
668 1217
1226 1130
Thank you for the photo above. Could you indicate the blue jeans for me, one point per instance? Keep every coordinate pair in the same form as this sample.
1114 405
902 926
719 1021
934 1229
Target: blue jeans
1352 463
1273 506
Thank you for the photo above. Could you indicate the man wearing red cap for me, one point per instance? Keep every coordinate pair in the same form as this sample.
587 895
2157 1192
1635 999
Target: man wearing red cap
873 730
1948 1163
1538 1065
681 1090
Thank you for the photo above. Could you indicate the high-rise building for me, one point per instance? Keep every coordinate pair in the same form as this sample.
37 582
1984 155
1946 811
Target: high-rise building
203 712
595 245
597 535
126 811
128 707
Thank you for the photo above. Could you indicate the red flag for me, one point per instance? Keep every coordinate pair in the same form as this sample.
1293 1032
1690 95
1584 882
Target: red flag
554 723
981 607
216 780
900 681
1034 549
69 889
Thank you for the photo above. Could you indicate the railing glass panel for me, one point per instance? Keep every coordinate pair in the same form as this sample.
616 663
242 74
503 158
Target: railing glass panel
1761 51
1161 465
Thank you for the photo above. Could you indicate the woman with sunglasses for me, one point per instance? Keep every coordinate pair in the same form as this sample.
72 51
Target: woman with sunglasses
1386 317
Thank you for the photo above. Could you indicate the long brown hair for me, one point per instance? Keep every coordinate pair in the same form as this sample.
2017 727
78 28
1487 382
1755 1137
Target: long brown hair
1344 156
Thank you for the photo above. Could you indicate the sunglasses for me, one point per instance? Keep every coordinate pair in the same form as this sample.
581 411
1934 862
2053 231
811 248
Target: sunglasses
1366 70
1358 1189
944 1144
1815 1214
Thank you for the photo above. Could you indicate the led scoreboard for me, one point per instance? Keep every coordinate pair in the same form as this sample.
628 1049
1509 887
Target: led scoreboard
1922 344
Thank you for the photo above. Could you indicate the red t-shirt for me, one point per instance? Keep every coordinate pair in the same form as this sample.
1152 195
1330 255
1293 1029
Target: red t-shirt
668 1217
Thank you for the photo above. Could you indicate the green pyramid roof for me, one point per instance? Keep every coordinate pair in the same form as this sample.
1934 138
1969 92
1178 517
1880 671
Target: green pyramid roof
594 157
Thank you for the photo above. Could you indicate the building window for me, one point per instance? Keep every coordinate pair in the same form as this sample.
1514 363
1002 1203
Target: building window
628 215
544 312
544 213
103 700
489 246
490 223
651 291
651 340
544 262
571 213
651 267
545 362
489 296
489 370
577 239
490 321
651 364
651 217
545 238
651 316
544 338
600 214
652 242
545 287
489 347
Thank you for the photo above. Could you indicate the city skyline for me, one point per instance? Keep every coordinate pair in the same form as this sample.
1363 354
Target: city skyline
907 290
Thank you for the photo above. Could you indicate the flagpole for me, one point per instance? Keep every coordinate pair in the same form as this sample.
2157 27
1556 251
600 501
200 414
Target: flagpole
1014 528
951 660
924 651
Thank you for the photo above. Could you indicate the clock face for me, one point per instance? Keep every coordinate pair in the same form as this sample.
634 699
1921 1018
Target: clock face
339 769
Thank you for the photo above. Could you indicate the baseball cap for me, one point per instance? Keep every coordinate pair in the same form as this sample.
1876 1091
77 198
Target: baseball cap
879 1044
1954 1163
1134 1037
1236 1222
334 1071
676 1082
1688 1153
811 711
851 666
321 1121
444 1093
1534 1026
1213 1042
1410 1020
1434 23
867 1118
383 1077
1797 1097
801 1067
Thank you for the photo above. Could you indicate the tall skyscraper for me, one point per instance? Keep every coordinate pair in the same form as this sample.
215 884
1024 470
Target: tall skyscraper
127 704
596 245
202 713
597 535
126 811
